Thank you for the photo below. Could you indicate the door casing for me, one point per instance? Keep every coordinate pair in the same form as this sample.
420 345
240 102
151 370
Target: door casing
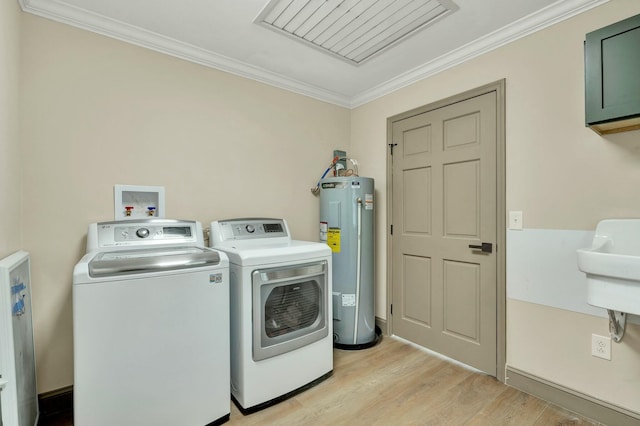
499 88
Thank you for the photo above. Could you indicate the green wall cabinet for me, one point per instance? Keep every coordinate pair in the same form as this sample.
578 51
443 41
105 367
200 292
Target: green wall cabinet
612 77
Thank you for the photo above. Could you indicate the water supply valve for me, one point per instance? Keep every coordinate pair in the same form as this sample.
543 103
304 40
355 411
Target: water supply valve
151 211
128 210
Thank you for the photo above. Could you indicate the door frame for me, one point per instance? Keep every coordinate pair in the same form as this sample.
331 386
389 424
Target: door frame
501 232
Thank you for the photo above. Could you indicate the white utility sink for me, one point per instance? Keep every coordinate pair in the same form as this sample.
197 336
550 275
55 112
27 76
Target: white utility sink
612 265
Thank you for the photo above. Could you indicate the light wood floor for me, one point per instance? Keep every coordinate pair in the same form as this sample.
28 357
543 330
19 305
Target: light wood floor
395 383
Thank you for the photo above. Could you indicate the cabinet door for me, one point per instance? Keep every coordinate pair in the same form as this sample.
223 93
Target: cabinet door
612 65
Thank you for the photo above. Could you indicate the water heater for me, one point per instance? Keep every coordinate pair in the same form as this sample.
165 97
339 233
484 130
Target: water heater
346 225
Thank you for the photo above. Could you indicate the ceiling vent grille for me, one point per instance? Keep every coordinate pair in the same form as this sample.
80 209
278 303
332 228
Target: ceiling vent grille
354 30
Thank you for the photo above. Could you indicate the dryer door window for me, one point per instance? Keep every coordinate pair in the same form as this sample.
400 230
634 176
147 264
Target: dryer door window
292 307
289 308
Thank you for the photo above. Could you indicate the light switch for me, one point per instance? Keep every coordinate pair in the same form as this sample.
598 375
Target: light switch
515 220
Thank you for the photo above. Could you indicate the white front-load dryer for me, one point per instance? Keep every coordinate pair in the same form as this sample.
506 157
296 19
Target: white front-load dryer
150 327
281 321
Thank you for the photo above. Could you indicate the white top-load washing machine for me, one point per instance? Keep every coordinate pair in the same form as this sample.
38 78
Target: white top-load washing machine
281 321
150 326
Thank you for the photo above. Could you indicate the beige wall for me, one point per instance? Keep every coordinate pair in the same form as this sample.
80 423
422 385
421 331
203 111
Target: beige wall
555 344
99 112
559 173
10 182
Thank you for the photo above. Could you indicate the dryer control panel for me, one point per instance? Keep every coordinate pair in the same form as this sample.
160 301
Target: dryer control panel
254 228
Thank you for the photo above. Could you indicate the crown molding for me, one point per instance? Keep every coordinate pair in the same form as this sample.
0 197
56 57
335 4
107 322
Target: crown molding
550 15
112 28
81 18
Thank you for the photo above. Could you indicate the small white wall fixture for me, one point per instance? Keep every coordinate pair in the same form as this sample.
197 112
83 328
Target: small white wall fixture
137 202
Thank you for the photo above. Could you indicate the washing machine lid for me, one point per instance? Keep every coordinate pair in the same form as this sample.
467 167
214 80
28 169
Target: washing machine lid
127 262
265 254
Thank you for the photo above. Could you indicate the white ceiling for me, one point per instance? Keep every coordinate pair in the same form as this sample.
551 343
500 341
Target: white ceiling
222 34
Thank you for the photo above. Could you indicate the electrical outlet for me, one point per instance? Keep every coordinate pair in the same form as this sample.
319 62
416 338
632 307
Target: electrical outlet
601 346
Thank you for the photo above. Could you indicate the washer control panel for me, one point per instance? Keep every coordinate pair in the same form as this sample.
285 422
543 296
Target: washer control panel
146 232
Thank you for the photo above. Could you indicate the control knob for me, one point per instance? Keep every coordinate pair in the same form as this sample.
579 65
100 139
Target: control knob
250 229
142 232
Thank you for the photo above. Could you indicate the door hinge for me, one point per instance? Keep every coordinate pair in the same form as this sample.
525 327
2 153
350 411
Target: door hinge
391 229
391 145
391 309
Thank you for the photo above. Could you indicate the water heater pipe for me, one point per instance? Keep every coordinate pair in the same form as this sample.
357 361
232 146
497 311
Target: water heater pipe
358 267
316 189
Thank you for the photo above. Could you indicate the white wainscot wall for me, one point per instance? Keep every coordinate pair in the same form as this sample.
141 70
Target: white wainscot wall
542 268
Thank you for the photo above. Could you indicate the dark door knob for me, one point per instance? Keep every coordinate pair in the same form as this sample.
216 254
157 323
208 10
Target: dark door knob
485 247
